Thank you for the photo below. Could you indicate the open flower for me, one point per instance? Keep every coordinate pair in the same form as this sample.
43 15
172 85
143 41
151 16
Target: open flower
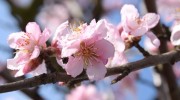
86 48
84 93
28 45
133 25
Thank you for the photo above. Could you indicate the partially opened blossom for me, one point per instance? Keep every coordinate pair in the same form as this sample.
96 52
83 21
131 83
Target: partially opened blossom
135 25
86 48
28 45
84 93
175 35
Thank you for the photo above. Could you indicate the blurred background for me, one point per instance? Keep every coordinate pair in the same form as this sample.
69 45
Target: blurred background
146 84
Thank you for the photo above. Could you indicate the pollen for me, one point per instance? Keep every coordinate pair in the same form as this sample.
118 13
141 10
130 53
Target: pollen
87 52
24 40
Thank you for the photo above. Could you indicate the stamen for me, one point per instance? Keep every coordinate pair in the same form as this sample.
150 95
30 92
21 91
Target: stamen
87 52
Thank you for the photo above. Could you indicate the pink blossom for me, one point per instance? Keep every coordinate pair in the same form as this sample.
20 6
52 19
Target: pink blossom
28 45
133 25
114 37
175 35
150 47
86 48
84 93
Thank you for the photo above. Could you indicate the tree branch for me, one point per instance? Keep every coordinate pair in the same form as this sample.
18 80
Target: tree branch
57 76
141 49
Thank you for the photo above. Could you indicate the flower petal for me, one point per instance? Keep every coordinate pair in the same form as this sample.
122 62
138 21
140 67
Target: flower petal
34 29
35 52
13 38
105 49
128 10
155 41
12 64
151 19
96 70
175 35
18 61
40 69
118 59
44 37
100 30
61 30
74 66
140 31
19 73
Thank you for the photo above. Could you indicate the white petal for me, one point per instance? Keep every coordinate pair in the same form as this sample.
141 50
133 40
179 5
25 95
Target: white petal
175 35
35 53
74 66
96 70
12 39
41 69
155 41
34 29
19 73
151 19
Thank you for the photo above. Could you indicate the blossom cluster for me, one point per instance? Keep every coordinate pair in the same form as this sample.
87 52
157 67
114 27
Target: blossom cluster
90 47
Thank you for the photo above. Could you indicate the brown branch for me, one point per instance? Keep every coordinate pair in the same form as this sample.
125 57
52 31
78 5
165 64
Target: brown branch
31 93
57 76
144 52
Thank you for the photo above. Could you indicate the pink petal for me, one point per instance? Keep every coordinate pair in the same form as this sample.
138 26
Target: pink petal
74 66
66 52
105 49
131 24
100 29
150 47
41 69
155 41
12 39
119 45
35 52
118 59
124 35
96 70
93 23
19 73
12 64
151 19
140 31
34 29
61 30
18 61
44 37
129 10
175 35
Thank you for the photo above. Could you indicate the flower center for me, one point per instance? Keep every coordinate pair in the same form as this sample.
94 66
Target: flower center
87 52
138 21
24 40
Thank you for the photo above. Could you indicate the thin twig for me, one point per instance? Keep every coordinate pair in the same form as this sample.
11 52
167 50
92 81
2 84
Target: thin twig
141 49
121 76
